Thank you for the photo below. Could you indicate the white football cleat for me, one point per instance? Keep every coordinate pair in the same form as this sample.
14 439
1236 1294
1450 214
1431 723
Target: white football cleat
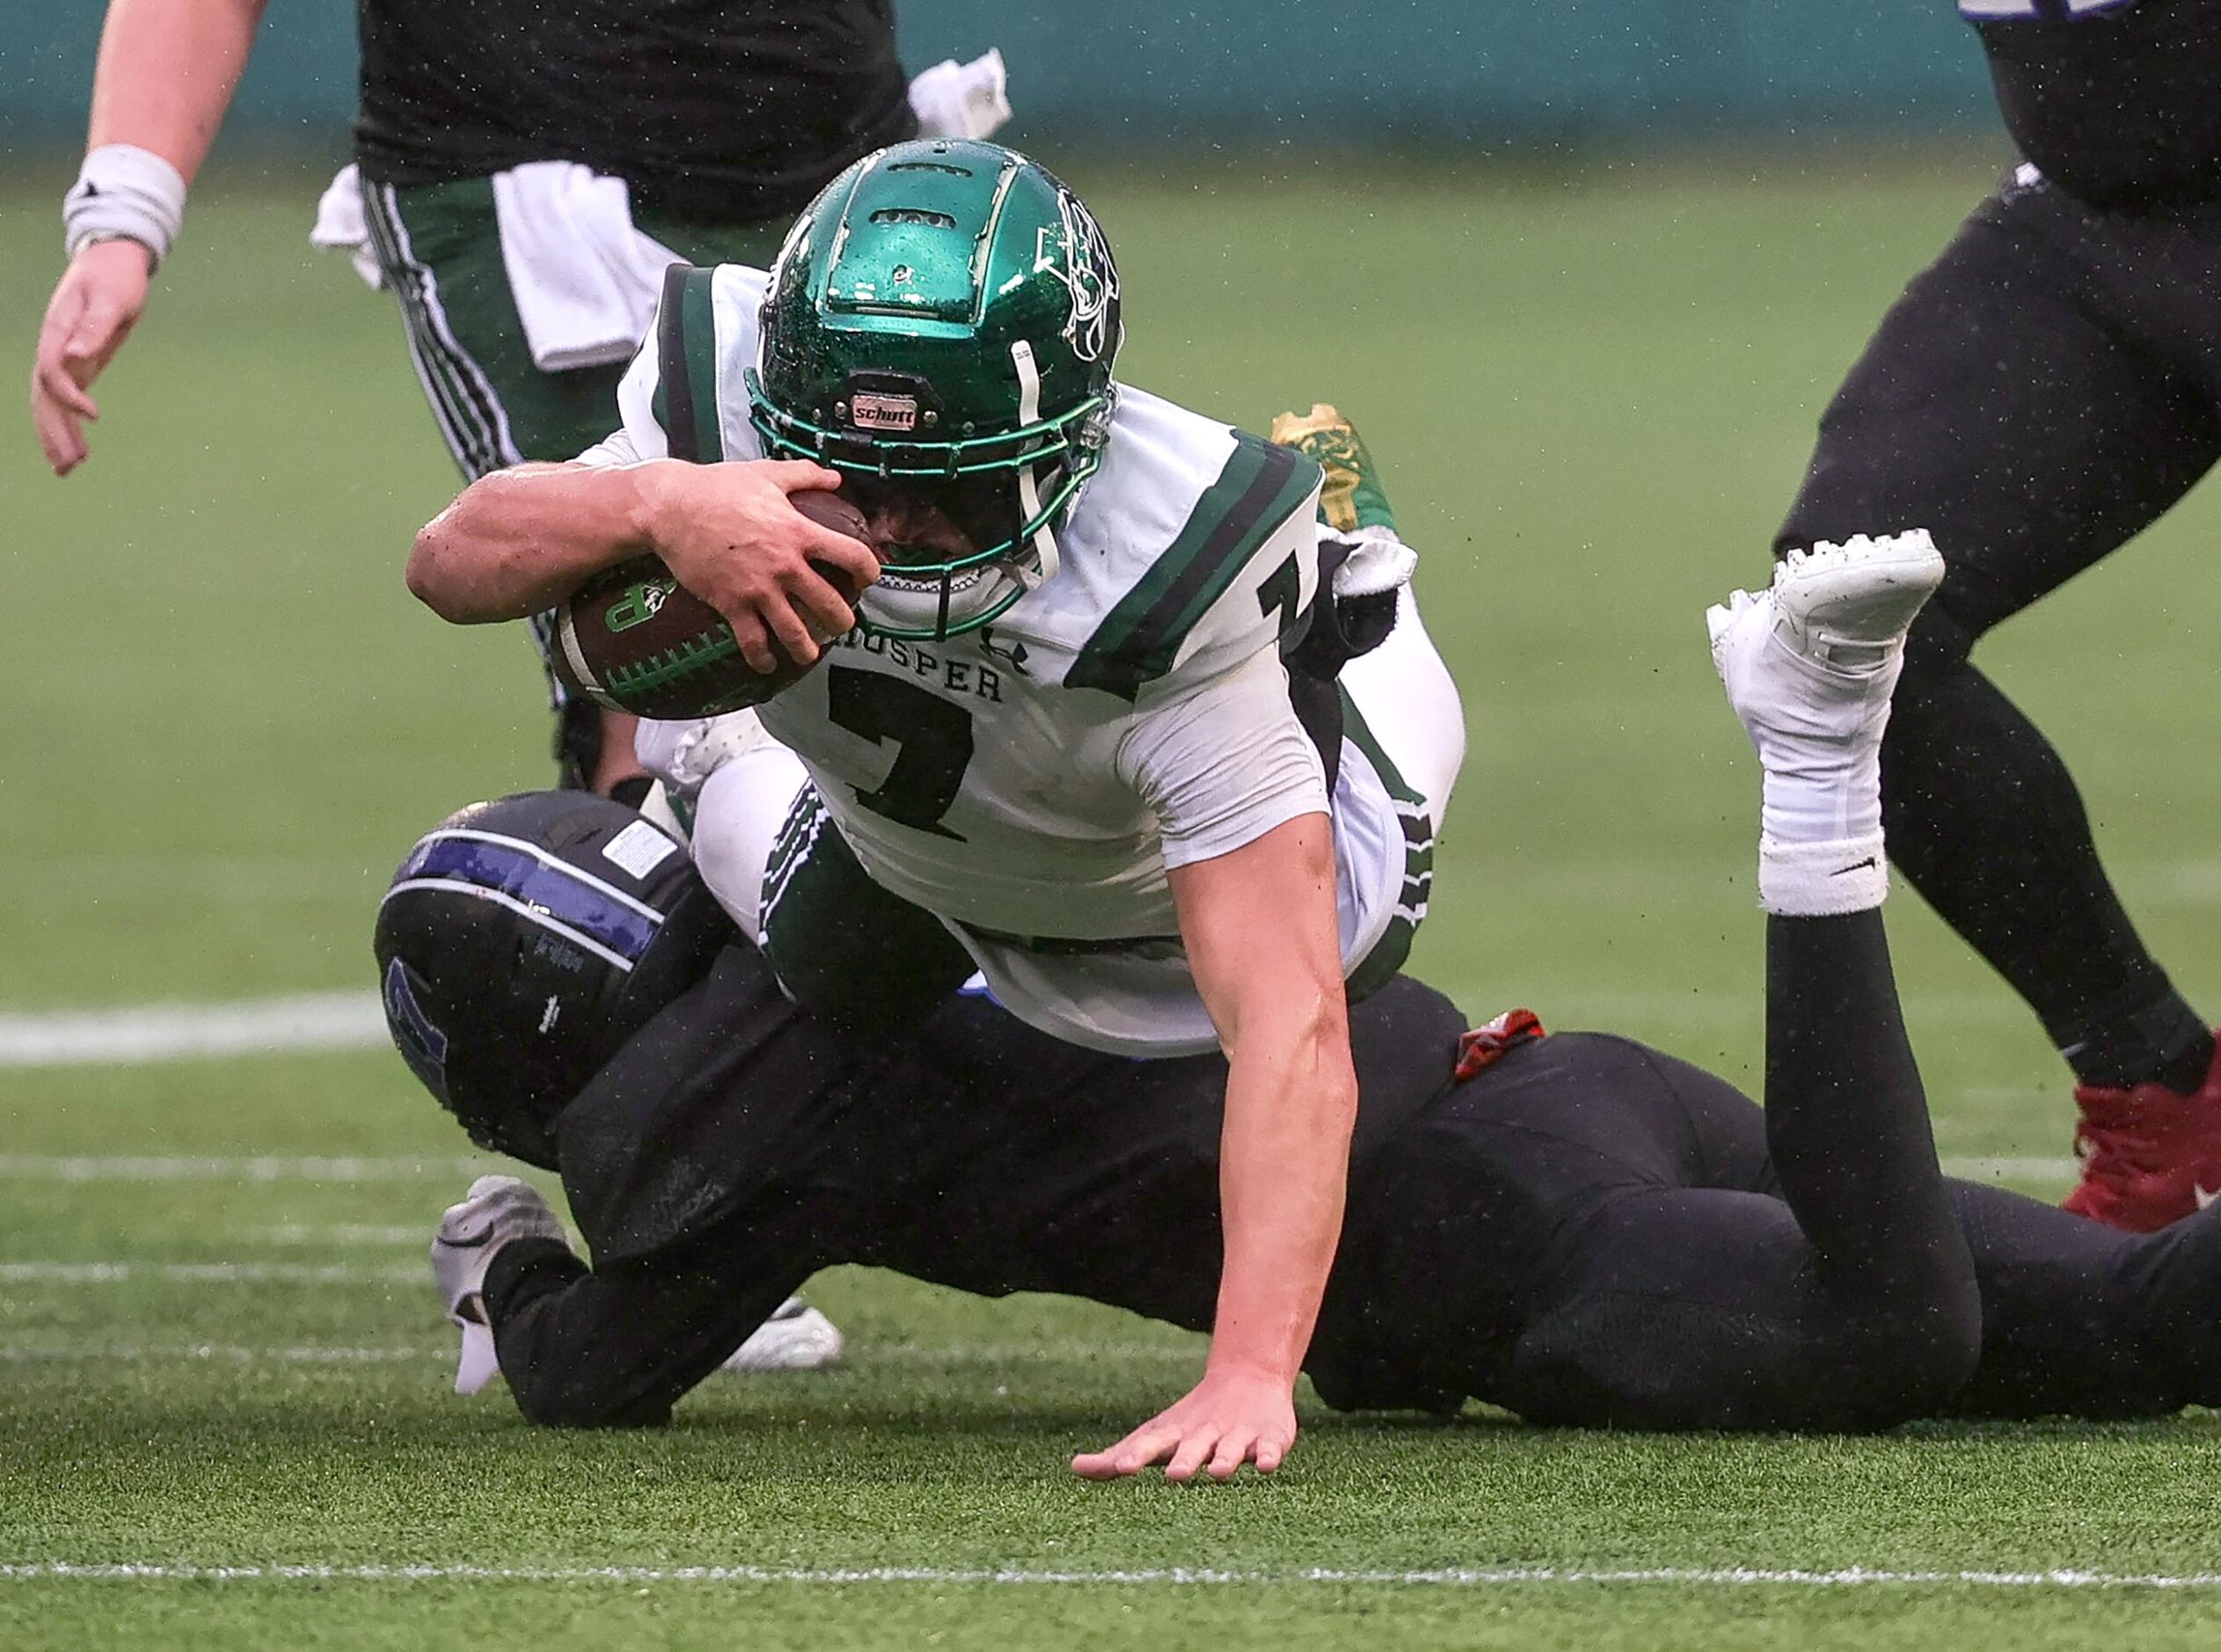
796 1337
1851 605
1809 665
1819 651
496 1210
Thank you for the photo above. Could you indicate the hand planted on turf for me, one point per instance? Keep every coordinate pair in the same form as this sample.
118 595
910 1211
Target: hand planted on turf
93 309
728 534
1228 1418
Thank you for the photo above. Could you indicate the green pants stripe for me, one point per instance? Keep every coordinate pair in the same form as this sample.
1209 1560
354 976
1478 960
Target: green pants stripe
439 246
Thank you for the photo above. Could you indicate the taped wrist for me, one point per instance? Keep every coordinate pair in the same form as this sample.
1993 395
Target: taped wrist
127 193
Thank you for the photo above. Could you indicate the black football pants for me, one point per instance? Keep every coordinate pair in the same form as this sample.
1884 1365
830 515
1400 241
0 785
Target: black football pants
2042 394
1594 1233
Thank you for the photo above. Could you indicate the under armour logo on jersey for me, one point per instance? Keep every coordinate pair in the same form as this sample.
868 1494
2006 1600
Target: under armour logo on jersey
2049 10
1014 656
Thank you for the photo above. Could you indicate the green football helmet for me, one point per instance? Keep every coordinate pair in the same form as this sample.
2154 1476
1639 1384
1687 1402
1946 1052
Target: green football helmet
942 324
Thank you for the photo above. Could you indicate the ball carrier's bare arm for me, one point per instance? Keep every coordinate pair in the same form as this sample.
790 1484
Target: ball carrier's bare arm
522 540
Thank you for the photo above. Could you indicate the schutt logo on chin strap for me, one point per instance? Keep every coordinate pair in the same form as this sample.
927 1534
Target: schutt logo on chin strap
1485 1046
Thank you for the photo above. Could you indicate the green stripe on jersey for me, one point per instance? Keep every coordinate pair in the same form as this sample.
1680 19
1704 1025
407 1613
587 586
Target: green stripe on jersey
1389 952
1360 734
1259 488
685 399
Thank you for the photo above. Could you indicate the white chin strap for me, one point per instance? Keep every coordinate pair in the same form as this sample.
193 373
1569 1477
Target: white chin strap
1029 493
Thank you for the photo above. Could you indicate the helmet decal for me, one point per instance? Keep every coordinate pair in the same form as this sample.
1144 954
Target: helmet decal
420 1041
1088 273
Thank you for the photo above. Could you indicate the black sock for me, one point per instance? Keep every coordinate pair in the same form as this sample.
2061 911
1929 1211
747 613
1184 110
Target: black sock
1985 821
1846 1117
2163 1041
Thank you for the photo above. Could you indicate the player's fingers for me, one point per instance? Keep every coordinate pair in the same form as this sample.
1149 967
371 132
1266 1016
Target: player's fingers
59 419
792 630
851 557
1137 1451
1195 1451
795 475
1235 1448
1152 1444
755 641
60 438
829 613
54 381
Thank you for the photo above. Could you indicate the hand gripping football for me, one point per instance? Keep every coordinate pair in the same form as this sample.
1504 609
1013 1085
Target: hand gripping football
635 639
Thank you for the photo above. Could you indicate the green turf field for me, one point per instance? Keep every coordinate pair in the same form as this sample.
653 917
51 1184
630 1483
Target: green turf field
226 719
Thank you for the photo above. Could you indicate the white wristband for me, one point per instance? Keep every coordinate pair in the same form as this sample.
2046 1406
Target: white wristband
1850 874
124 191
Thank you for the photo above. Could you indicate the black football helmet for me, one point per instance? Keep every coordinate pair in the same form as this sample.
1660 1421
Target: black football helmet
522 941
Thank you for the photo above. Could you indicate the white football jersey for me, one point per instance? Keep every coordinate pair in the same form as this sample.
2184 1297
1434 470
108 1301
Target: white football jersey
1031 781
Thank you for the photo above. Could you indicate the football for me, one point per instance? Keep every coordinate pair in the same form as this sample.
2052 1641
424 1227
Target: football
635 639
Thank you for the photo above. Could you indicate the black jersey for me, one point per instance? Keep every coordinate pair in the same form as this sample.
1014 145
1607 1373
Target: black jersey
2119 105
728 110
1045 1166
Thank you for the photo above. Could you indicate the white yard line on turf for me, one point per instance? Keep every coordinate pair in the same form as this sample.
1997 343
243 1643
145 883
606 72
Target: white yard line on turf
1446 1577
306 1022
218 1167
74 1273
311 1354
303 1235
126 1354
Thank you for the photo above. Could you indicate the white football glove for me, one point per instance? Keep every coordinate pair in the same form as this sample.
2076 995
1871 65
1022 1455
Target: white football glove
1377 561
496 1210
796 1337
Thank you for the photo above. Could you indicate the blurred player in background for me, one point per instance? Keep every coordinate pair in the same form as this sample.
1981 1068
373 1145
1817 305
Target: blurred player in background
2038 396
524 169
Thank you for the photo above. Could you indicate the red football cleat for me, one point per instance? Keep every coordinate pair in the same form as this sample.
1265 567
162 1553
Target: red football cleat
2150 1155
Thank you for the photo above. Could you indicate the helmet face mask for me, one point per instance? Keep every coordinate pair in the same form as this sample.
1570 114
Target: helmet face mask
945 318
